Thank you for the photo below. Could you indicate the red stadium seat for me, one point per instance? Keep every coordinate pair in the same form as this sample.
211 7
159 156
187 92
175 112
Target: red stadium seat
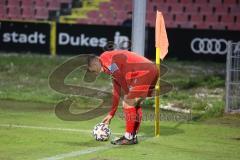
176 9
53 5
238 19
15 3
41 13
201 2
215 2
13 12
234 26
171 2
221 9
117 5
27 3
186 2
151 18
3 2
121 15
191 9
202 25
235 9
181 18
161 7
40 3
28 13
205 9
187 25
3 12
104 6
219 26
227 18
230 2
212 19
196 18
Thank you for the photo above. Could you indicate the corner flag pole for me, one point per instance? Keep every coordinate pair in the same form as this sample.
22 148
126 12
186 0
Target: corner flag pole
157 98
161 44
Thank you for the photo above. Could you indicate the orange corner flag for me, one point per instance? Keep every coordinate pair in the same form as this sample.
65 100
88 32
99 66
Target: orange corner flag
161 39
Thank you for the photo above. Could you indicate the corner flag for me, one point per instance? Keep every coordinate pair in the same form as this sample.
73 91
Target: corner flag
161 39
161 44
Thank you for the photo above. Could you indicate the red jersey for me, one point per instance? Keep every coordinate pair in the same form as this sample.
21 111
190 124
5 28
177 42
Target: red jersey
125 67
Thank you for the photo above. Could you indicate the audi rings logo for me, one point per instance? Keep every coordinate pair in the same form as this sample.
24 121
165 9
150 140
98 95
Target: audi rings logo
210 46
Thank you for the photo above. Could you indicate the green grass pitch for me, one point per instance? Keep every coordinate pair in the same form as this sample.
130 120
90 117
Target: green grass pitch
29 128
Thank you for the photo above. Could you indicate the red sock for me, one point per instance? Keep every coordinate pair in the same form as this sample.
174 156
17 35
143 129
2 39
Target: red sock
133 118
130 116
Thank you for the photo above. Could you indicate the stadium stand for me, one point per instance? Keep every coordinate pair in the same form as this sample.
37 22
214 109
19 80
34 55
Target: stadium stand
31 9
200 14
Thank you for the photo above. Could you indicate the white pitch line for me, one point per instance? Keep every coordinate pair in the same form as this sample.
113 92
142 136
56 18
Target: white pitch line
78 153
49 128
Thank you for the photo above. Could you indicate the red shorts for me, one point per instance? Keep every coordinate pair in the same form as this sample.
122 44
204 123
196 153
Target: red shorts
143 86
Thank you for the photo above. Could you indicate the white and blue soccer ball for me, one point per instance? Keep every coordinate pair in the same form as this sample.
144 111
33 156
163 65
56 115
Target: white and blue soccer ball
101 132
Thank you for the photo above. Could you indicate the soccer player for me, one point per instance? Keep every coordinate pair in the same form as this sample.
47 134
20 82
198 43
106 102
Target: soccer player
136 76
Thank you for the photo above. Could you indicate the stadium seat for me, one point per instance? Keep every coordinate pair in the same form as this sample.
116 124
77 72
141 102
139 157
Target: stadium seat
186 2
174 2
28 13
196 18
53 5
234 26
188 25
212 18
221 9
3 2
219 26
238 19
27 3
202 25
230 2
150 18
191 9
104 6
215 2
117 5
205 9
176 9
181 18
201 2
13 3
235 9
41 13
161 7
3 12
227 18
121 15
13 12
40 3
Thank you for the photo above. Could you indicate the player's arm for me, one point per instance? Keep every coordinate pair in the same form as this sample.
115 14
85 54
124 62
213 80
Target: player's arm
115 102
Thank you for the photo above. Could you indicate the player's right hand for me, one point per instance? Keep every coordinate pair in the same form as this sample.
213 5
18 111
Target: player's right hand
107 119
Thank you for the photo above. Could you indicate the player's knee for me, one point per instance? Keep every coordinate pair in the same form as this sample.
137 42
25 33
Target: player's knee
128 103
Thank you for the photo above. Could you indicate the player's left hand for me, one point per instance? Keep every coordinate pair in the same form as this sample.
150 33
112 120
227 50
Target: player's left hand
107 119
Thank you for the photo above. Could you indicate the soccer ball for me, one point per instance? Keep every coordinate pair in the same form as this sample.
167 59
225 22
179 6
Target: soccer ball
101 132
